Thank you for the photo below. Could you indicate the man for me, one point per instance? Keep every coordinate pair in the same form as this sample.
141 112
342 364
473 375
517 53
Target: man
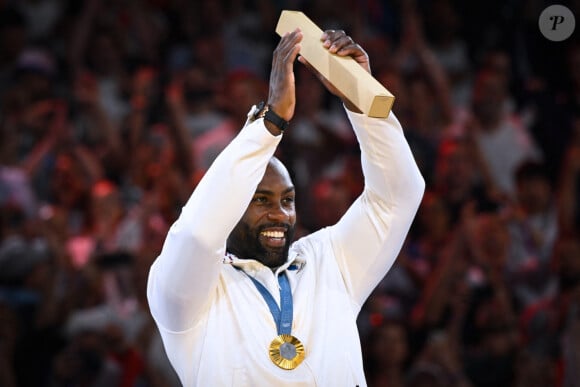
236 302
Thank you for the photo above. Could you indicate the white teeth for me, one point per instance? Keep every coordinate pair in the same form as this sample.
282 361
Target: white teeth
273 234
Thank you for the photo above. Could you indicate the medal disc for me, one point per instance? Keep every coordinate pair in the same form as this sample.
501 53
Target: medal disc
286 351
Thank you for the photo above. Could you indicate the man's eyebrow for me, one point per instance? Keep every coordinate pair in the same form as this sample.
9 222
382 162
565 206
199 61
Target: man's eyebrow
268 192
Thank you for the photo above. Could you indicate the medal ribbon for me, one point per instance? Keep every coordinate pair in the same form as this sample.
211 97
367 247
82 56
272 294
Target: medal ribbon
282 315
285 351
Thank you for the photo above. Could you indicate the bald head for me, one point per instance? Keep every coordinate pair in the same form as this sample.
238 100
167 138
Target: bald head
266 229
275 166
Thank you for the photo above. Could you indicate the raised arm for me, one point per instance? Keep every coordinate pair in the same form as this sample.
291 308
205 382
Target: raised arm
183 279
368 238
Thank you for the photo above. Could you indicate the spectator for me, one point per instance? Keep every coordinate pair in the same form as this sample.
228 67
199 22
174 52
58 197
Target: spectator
533 225
239 89
387 352
430 233
458 179
503 142
549 327
443 24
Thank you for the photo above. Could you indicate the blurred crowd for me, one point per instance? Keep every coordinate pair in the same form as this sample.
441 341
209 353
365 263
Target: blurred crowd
112 110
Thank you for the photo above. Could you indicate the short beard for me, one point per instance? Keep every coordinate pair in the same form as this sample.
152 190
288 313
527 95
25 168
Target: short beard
244 243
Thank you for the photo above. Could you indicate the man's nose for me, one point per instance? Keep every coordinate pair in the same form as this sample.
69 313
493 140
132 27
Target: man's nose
278 212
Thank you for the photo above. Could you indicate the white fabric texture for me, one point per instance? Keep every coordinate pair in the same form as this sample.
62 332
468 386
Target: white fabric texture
217 328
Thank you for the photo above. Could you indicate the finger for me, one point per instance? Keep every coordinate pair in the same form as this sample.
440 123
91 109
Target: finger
289 45
289 39
330 37
344 46
332 34
353 50
340 42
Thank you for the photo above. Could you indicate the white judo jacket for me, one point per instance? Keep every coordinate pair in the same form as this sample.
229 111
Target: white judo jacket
215 325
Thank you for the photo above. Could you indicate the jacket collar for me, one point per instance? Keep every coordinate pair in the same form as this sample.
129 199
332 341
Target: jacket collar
294 262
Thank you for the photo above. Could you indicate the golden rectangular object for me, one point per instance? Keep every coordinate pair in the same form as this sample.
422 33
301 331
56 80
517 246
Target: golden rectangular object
360 87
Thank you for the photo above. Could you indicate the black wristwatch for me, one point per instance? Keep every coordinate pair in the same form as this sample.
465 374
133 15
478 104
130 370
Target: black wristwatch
264 111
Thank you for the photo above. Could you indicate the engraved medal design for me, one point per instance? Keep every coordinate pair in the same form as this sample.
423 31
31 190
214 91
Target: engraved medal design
286 351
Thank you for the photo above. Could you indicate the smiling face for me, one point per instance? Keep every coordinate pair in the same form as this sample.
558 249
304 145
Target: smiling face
267 227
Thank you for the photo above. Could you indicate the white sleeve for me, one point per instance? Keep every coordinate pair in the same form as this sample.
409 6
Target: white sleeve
183 279
368 238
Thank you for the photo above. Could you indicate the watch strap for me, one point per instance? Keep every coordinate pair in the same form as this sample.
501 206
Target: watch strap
268 114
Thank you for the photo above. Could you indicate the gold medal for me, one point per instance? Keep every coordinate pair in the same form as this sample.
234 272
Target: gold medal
286 351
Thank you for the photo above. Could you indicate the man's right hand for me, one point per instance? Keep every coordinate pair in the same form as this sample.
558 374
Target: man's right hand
281 94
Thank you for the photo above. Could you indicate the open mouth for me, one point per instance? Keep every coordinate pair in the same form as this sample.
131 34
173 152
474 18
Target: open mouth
273 237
